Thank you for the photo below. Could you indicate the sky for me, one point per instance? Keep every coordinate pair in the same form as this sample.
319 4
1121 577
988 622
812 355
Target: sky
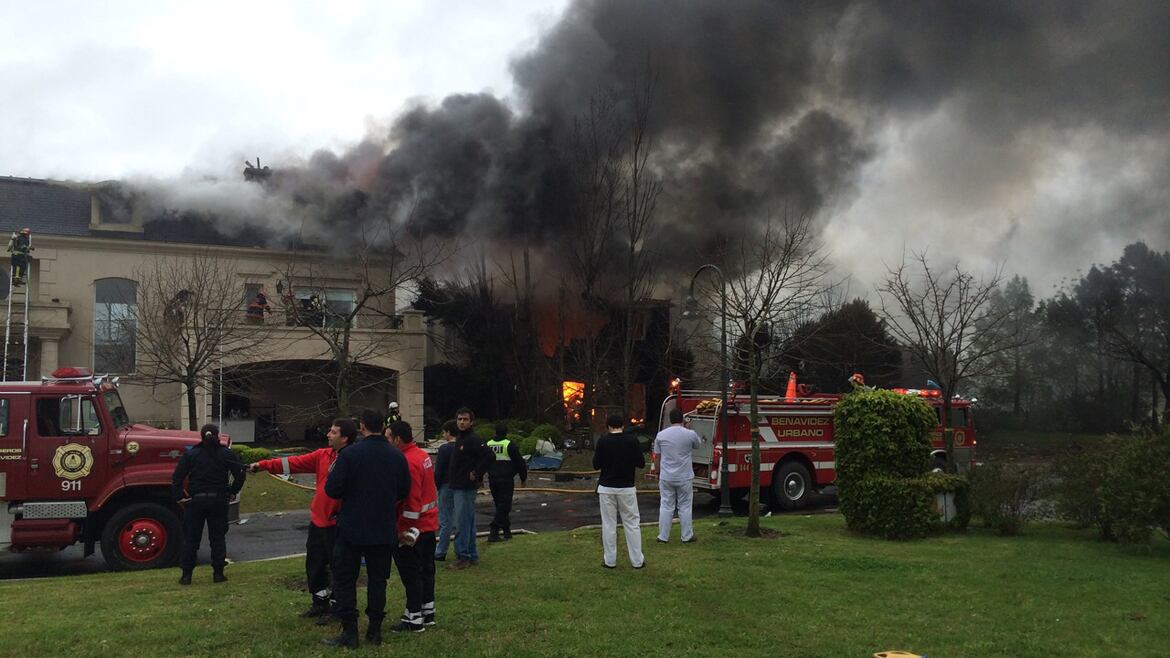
1029 136
105 90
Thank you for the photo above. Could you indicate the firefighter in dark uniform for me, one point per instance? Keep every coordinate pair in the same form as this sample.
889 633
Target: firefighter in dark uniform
206 468
19 246
501 480
393 415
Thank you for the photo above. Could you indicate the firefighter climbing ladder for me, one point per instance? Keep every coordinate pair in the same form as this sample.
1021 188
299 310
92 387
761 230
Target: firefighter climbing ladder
18 343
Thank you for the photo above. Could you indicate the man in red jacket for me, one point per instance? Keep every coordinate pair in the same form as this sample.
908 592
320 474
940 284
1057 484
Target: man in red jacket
322 510
418 519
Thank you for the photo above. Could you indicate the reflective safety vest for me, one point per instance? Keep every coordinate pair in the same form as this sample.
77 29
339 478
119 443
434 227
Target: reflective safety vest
500 447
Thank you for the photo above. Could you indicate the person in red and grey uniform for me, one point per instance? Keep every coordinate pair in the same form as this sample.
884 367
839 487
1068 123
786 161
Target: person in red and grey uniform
418 519
502 480
322 511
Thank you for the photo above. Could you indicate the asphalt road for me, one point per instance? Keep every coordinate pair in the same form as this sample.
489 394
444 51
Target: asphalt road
269 535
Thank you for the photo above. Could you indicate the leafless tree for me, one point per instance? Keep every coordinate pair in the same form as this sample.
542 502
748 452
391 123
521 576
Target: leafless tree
947 322
595 156
189 318
777 279
639 192
376 266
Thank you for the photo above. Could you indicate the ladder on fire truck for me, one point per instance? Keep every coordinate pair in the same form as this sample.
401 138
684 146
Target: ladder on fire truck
16 343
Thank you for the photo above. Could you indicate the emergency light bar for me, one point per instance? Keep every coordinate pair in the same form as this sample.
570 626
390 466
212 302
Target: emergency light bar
920 392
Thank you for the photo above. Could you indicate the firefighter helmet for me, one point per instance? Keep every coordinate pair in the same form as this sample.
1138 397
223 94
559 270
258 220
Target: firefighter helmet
25 231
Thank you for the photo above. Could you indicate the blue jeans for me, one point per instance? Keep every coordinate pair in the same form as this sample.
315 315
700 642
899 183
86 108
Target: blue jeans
446 517
465 524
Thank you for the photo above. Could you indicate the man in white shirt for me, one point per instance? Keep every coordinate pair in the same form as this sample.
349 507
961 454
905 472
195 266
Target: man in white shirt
672 461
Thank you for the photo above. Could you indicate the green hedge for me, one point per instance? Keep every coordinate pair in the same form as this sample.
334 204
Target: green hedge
941 483
882 457
527 444
249 455
882 432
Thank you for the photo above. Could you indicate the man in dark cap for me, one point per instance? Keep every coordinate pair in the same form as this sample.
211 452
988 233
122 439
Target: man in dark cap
206 468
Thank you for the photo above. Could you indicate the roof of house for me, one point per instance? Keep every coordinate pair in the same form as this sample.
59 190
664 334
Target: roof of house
63 208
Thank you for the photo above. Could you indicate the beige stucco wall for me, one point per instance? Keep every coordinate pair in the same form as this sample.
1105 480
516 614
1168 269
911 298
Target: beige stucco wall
61 286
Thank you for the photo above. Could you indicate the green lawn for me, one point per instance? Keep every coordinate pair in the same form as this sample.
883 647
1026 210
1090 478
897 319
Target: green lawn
264 493
815 591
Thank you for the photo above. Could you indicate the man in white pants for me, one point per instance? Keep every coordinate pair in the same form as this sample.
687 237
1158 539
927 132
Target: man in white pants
617 455
672 459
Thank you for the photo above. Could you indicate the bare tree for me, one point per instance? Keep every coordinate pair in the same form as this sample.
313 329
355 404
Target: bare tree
595 156
188 319
947 322
639 190
380 264
777 279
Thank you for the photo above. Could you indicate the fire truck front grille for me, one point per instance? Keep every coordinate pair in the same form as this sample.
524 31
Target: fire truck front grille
55 510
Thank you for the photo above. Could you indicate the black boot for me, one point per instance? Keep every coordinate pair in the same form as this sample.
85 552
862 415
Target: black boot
218 577
317 609
495 535
507 534
348 637
185 579
374 632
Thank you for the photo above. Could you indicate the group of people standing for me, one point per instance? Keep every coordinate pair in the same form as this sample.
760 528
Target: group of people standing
375 502
379 498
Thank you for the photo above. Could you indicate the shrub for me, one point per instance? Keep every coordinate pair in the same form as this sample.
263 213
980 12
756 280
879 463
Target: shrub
882 453
890 507
485 430
521 426
249 455
547 432
1120 487
882 432
526 444
1005 497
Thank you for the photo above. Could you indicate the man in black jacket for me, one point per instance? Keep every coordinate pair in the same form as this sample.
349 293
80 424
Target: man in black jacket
470 460
617 455
206 467
369 478
502 480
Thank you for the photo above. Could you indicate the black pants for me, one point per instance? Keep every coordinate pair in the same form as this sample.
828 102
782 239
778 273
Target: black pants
416 568
318 556
502 491
347 563
19 265
212 510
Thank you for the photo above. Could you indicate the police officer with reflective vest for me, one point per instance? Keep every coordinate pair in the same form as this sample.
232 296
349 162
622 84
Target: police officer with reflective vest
206 468
501 480
393 415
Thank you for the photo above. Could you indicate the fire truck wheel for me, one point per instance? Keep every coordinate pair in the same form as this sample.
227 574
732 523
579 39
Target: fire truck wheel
791 485
142 536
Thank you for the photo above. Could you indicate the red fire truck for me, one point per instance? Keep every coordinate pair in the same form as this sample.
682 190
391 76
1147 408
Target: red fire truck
796 440
75 467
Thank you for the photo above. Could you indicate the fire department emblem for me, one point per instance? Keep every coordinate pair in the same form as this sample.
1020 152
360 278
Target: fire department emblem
72 461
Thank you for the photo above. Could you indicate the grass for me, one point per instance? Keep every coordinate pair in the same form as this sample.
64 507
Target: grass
817 590
264 493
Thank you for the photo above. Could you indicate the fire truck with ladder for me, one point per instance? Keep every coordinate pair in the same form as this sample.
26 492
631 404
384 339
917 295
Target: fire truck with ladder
796 440
74 467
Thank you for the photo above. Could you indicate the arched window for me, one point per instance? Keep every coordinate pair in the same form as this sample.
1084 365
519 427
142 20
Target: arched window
114 326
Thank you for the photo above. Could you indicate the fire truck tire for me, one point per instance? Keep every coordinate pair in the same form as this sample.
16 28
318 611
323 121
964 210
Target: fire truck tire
791 485
142 536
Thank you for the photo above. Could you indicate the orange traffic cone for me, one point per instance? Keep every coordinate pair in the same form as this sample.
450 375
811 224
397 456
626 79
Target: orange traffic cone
790 394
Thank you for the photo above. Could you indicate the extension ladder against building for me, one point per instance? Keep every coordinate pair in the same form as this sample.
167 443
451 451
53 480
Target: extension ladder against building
16 330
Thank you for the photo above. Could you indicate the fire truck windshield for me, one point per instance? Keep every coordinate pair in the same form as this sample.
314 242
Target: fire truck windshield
117 410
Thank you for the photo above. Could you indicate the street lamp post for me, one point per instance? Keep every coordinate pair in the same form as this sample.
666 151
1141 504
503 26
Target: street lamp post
692 305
